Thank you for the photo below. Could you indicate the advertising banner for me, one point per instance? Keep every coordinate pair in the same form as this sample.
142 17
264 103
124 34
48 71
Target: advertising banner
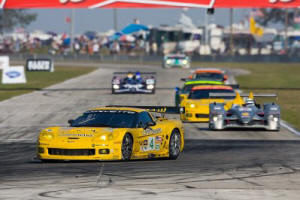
4 62
16 4
13 75
39 65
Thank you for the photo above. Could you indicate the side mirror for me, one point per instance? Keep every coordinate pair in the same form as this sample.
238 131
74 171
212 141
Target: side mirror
177 89
152 123
183 79
71 121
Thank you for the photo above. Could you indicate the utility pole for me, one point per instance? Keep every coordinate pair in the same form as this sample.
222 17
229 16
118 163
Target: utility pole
286 30
206 33
231 32
115 19
72 25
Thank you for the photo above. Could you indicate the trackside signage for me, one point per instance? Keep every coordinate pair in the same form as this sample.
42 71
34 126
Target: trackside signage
4 62
39 65
13 75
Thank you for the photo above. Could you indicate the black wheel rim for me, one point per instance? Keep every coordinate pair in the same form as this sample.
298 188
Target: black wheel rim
127 147
175 144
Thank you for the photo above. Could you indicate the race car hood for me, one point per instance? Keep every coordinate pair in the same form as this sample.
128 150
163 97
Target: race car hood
77 134
201 105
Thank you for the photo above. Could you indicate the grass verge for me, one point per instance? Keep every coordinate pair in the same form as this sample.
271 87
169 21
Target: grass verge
40 80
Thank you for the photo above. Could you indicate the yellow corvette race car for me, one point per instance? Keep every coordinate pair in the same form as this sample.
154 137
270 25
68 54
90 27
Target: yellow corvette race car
114 133
196 104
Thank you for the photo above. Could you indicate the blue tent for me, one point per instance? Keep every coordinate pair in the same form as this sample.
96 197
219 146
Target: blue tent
131 28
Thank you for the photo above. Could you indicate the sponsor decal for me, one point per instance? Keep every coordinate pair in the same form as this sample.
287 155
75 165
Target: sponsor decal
78 135
13 74
39 65
157 147
150 131
158 139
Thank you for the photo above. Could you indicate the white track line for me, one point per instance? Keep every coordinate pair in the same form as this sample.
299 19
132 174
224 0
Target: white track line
289 127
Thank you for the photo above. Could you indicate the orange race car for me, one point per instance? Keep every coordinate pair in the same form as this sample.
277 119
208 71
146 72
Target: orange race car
207 74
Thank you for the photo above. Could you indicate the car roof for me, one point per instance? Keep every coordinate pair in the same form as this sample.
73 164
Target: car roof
138 110
208 70
212 87
192 82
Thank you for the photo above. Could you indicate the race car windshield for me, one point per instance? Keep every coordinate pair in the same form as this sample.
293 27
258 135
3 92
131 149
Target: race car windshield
177 58
107 118
204 94
209 76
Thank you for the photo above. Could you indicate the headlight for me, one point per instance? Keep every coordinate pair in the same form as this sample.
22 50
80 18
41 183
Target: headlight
184 62
192 105
150 87
46 135
106 137
103 137
169 62
116 87
217 117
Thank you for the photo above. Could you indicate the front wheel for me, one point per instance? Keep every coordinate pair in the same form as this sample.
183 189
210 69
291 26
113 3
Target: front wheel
127 146
174 145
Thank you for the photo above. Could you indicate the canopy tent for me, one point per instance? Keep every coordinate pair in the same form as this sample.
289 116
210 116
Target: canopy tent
132 28
15 4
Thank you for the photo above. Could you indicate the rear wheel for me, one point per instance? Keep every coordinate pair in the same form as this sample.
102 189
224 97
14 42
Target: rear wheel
174 145
127 146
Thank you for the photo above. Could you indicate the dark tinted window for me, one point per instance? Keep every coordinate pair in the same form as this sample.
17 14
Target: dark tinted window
209 76
177 57
204 94
188 88
107 118
144 118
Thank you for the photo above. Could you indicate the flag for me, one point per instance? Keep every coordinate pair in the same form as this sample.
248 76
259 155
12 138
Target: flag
68 20
297 20
257 13
254 29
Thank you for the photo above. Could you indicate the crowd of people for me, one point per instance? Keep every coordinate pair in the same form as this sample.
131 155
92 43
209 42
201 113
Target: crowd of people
54 44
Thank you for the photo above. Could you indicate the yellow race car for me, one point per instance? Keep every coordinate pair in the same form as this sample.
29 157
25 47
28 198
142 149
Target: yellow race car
114 133
196 104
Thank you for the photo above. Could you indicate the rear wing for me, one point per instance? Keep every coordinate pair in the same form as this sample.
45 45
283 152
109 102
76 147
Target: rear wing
219 95
142 73
157 109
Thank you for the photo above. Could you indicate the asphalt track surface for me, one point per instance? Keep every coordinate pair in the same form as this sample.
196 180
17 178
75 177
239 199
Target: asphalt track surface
234 164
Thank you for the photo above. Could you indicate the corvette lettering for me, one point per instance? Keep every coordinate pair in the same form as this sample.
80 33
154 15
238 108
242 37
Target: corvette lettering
78 135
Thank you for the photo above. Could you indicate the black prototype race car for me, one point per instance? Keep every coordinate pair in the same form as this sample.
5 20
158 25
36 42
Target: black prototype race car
133 82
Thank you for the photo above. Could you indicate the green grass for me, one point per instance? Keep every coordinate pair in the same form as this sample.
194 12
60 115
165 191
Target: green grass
282 79
39 80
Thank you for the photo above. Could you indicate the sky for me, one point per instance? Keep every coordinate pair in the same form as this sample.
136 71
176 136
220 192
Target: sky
101 20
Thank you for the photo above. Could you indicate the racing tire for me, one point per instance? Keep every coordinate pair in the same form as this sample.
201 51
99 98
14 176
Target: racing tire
127 147
174 145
